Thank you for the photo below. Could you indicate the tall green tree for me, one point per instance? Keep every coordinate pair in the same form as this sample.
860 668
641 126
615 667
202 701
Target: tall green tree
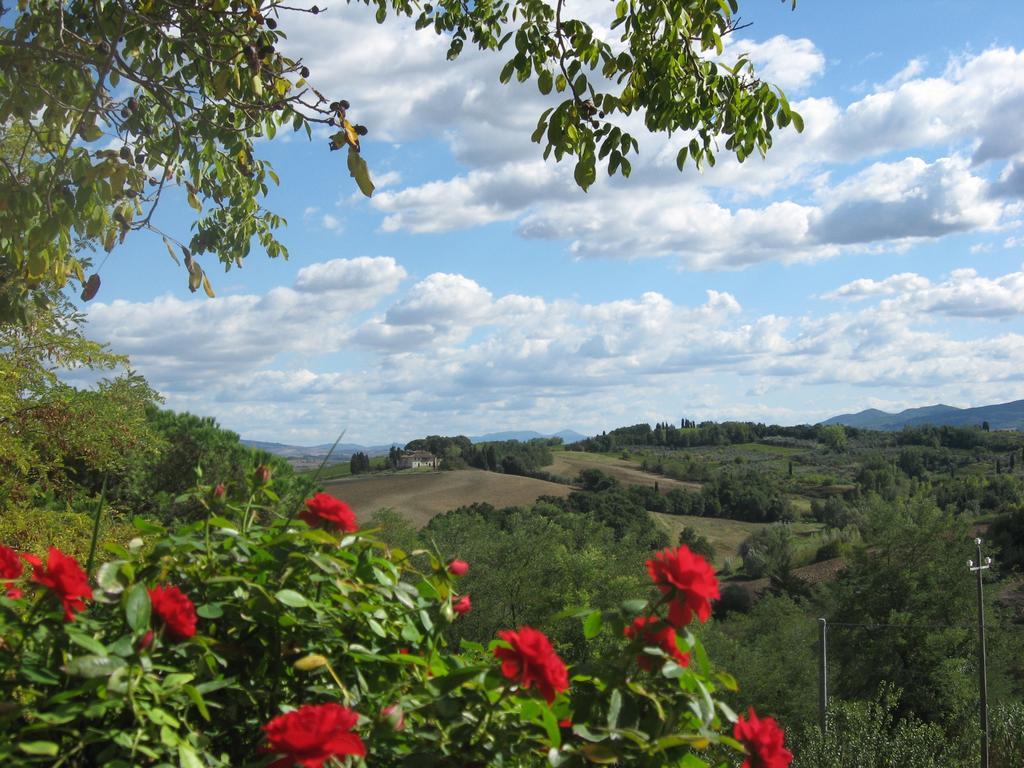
54 437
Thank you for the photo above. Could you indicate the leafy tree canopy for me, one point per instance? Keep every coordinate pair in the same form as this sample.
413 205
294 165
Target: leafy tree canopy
106 105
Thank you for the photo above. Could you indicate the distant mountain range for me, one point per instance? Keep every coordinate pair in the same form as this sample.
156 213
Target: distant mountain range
306 454
1000 416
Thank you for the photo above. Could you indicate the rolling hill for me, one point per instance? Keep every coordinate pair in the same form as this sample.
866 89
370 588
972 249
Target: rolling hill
1000 416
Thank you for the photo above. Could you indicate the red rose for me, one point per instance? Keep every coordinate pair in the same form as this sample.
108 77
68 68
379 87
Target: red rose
175 610
655 632
688 579
462 605
64 576
532 662
312 735
458 567
763 741
325 511
10 568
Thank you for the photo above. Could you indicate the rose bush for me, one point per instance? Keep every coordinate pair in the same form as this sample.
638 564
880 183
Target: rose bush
255 637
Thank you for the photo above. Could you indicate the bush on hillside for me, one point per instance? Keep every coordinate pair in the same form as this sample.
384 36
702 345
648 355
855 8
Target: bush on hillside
256 635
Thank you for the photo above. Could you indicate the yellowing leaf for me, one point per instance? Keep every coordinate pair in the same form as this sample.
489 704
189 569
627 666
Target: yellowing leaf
37 263
311 662
351 137
194 202
357 167
91 133
220 83
207 288
603 754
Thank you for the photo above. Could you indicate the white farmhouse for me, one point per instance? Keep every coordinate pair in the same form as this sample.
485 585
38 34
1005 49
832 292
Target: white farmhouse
414 459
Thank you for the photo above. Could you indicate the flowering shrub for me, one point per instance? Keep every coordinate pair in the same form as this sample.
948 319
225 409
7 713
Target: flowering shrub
253 637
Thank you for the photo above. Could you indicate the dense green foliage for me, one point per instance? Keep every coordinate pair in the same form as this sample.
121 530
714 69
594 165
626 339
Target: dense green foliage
284 615
107 106
512 457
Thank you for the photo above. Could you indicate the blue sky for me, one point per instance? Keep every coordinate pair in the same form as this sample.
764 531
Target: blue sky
873 261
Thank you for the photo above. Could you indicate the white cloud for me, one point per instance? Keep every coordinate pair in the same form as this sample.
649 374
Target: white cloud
914 68
963 294
792 64
865 287
379 276
447 354
792 207
186 344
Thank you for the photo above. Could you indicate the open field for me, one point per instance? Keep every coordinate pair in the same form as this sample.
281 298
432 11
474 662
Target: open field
569 463
421 495
725 535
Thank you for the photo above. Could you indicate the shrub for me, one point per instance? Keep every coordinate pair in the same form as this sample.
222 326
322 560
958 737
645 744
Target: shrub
229 640
867 734
1007 733
734 599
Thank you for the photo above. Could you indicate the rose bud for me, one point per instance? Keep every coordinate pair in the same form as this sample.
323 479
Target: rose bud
394 716
462 606
458 567
262 474
147 640
219 492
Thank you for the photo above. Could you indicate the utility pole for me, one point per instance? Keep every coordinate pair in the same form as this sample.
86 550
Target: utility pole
822 674
977 566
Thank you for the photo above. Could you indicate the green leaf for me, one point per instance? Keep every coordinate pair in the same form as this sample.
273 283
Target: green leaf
93 666
798 122
90 644
46 748
137 607
210 611
291 598
545 82
681 158
585 173
359 171
188 758
633 607
690 760
197 699
592 625
614 708
507 71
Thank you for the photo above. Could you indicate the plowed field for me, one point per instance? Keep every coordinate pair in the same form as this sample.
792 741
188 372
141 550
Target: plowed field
418 496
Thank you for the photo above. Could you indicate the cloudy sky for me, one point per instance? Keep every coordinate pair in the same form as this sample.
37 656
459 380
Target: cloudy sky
876 260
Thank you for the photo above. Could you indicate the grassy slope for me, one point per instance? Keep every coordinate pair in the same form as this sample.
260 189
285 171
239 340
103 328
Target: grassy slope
569 463
725 535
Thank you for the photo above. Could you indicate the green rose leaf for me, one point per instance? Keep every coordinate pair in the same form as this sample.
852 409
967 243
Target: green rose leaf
291 598
137 607
93 666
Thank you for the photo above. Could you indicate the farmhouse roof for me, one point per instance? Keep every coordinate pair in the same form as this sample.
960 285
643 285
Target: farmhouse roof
418 455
